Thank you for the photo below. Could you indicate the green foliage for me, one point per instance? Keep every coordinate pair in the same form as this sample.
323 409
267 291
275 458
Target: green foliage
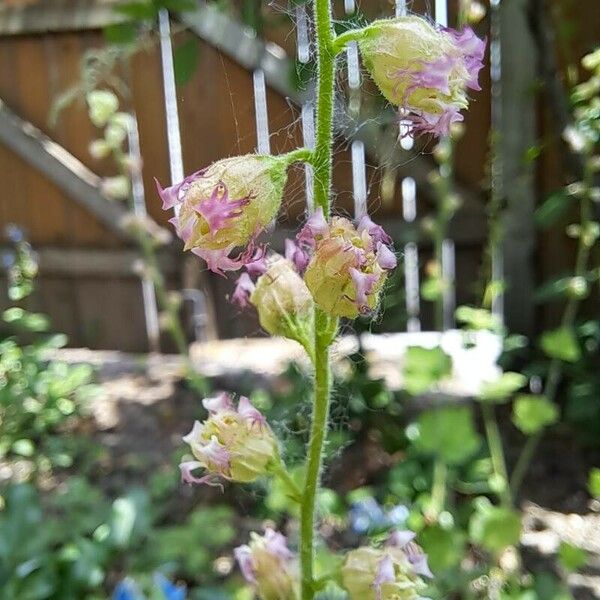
423 368
478 318
445 548
448 433
561 344
503 388
532 413
571 557
494 527
594 482
185 60
554 208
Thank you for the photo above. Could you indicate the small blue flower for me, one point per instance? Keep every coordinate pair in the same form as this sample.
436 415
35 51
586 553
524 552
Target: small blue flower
170 590
127 590
14 233
368 515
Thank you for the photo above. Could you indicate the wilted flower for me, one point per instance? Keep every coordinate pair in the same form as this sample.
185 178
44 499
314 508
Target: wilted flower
115 188
348 266
423 69
392 572
225 206
280 296
266 563
233 444
102 105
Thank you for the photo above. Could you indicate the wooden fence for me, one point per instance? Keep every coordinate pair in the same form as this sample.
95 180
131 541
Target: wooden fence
50 183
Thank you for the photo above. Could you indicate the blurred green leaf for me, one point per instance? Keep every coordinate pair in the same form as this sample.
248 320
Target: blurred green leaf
503 388
531 413
142 10
424 367
185 59
494 527
553 209
448 433
562 344
444 547
121 33
571 557
594 482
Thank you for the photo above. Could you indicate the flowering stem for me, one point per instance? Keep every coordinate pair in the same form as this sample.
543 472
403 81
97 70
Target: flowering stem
315 453
323 326
325 88
352 35
299 155
280 471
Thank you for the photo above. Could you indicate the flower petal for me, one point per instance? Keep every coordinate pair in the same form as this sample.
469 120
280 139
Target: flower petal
215 404
386 259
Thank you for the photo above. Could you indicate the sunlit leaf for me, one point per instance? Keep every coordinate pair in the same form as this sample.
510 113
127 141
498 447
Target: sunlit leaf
531 413
562 344
503 388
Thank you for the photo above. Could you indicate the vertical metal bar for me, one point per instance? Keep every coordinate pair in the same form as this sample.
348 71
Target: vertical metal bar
308 108
308 136
359 175
400 8
302 36
263 144
170 92
359 179
449 277
448 256
411 257
441 12
139 210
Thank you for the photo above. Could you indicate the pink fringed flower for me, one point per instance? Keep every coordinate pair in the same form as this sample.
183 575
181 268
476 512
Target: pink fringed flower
266 564
348 266
232 444
386 573
225 206
423 69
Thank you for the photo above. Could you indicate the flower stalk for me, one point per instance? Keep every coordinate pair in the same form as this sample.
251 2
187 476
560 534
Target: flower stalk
322 164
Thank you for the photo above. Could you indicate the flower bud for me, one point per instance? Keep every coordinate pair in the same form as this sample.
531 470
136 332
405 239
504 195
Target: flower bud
226 206
349 266
283 302
99 149
115 188
102 104
388 573
423 69
233 444
266 564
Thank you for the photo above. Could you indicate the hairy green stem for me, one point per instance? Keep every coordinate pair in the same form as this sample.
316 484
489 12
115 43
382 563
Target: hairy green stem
322 164
318 434
555 371
324 119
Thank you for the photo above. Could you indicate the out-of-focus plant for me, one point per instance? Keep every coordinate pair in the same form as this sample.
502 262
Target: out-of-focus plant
39 397
103 109
562 345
